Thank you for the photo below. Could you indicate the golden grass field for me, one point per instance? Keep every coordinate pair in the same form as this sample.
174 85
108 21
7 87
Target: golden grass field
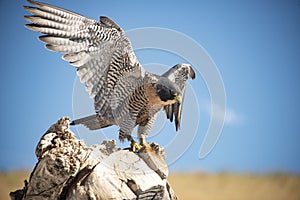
235 186
203 186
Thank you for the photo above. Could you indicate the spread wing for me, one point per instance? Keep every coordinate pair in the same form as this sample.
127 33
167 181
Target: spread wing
179 75
99 50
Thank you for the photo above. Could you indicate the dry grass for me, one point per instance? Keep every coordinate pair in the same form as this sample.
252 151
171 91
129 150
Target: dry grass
235 186
203 186
11 181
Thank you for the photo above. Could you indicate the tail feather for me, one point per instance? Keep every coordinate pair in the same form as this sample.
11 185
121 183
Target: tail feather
93 122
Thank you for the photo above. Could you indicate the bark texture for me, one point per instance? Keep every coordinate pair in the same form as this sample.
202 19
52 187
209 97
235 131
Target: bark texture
68 169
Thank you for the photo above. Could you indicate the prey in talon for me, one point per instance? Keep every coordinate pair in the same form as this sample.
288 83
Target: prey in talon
124 93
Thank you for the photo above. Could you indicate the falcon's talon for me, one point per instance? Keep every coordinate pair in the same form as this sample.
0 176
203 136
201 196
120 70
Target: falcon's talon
143 142
135 147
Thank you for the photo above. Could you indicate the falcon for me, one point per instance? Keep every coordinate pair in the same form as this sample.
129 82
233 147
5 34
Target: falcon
124 93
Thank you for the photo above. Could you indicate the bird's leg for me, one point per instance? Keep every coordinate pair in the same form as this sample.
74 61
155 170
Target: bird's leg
145 146
143 130
133 144
142 140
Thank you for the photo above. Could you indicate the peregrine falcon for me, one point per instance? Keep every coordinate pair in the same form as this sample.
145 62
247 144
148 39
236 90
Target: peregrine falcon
124 93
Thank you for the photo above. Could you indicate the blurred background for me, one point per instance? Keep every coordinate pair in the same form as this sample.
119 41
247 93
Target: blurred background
255 46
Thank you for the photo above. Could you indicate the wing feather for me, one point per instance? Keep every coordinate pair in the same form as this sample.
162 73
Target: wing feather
99 50
179 75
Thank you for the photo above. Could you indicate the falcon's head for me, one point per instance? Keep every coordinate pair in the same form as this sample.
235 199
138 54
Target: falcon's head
167 91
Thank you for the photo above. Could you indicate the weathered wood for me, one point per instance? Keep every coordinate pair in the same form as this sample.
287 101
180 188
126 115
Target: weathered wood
68 169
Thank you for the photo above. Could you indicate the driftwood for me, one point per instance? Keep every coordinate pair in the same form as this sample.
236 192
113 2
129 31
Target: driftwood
68 169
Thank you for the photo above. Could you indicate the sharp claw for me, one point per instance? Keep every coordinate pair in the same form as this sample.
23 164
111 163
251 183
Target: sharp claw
145 145
142 147
135 147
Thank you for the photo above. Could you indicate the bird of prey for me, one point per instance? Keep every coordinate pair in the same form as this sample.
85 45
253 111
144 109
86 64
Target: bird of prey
124 93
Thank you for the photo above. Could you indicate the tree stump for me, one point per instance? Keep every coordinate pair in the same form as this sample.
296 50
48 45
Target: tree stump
68 169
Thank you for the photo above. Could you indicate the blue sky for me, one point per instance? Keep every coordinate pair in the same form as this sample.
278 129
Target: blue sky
254 44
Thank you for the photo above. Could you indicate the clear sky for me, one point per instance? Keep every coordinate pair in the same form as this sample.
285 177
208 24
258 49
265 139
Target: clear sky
254 44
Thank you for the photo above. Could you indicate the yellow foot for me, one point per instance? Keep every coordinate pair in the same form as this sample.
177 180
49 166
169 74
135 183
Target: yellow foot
146 146
135 147
143 142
